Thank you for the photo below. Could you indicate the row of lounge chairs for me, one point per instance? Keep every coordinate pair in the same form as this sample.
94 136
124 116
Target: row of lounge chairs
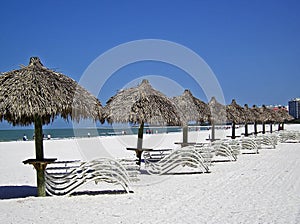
65 177
289 136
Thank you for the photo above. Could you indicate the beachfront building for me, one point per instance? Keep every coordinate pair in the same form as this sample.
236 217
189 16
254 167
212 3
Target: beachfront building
294 108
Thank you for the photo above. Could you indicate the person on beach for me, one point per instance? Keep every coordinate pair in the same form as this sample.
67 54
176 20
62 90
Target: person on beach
24 137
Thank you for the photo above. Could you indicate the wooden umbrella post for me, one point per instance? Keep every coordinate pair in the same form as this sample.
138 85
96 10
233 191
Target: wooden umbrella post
139 147
38 138
233 130
40 168
140 136
213 131
185 135
255 128
246 129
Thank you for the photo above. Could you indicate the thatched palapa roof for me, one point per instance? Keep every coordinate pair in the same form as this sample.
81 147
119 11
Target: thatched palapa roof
249 114
217 111
141 104
258 115
191 108
35 90
284 115
268 115
235 113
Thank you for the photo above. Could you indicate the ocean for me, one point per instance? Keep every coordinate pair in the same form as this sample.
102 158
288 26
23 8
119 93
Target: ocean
17 134
61 133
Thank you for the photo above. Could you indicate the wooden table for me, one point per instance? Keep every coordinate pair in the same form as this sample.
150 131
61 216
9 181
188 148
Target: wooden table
183 144
139 153
212 140
230 136
40 166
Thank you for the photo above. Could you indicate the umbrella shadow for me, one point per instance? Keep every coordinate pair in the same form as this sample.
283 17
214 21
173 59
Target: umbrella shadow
11 192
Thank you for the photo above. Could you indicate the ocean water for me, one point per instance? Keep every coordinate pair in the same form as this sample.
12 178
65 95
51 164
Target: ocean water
17 134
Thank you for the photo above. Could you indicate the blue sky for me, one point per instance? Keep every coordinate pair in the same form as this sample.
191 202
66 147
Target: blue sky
252 46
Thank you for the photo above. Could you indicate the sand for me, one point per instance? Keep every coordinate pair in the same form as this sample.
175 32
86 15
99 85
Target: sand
260 188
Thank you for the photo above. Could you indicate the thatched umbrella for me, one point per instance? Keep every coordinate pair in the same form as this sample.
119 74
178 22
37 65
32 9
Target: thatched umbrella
217 115
268 116
141 104
36 95
284 117
235 114
249 117
190 108
258 118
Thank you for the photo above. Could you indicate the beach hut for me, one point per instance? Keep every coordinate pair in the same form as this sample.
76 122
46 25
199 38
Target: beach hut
141 104
190 109
235 114
217 115
36 95
249 117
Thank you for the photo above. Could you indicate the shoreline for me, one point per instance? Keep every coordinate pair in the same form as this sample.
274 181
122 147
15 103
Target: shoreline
15 135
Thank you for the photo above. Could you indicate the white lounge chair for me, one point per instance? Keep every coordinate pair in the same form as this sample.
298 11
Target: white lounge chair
248 145
224 149
264 141
63 178
185 156
289 136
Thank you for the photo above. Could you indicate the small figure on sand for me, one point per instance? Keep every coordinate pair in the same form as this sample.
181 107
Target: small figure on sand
25 138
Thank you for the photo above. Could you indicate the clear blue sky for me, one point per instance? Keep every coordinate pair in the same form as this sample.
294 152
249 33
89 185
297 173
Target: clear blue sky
253 46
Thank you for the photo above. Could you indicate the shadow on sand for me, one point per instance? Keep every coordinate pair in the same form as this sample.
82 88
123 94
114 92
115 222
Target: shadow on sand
93 193
10 192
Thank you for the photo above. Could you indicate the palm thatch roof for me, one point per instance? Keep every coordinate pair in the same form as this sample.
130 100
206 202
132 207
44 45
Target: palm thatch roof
235 113
217 111
35 90
258 115
284 115
191 108
268 115
249 114
141 104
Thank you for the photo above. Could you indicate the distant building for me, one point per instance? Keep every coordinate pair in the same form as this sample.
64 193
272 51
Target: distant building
277 107
294 108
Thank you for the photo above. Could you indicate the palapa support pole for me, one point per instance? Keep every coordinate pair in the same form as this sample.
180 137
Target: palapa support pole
246 130
38 136
140 143
271 127
263 128
255 128
185 135
233 130
140 136
212 131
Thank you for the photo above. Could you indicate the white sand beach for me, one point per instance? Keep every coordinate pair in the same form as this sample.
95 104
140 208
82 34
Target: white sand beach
257 188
